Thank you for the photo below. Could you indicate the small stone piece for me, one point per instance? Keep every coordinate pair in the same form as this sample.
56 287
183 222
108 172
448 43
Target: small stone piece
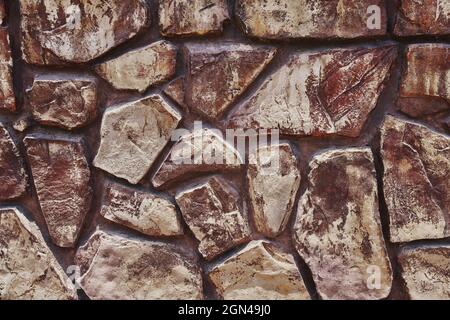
133 135
22 124
54 31
215 214
192 17
322 19
318 94
140 68
203 150
426 272
7 97
13 178
120 268
175 90
338 230
68 102
28 269
61 177
260 271
416 164
142 211
273 179
427 17
218 73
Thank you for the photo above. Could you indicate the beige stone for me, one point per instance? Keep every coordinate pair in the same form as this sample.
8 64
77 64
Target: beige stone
7 97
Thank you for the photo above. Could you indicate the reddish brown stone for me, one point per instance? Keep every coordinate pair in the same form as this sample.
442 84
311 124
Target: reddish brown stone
175 90
7 98
61 177
13 178
2 11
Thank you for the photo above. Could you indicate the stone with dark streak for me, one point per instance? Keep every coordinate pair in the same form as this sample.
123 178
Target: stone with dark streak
7 97
175 90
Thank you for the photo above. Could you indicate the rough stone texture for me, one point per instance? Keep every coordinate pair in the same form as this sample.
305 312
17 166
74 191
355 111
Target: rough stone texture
259 271
2 11
132 136
7 97
140 68
287 19
216 215
273 179
317 94
13 178
28 269
120 268
22 124
416 164
68 102
427 17
143 211
61 177
192 17
77 30
338 230
201 151
175 90
234 67
425 271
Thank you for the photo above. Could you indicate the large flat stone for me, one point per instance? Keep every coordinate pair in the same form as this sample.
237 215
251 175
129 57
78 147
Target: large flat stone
7 97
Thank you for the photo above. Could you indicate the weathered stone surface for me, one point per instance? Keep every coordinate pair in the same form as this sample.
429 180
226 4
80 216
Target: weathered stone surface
416 164
192 17
175 90
143 211
259 271
132 136
68 102
61 177
427 17
218 73
203 150
2 11
13 178
77 30
426 272
116 267
28 269
216 215
7 97
338 230
284 19
22 124
273 180
317 94
140 68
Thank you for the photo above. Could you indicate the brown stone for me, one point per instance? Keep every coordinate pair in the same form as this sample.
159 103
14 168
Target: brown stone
427 17
338 230
28 269
219 73
2 11
318 94
13 178
216 215
54 31
192 17
7 97
140 210
290 19
273 180
260 271
61 177
68 102
426 272
175 91
140 68
116 267
416 164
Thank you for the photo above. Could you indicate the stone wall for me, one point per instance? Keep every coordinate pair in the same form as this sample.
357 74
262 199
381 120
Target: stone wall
93 95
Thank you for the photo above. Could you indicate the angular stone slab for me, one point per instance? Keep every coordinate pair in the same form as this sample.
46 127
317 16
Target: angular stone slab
132 136
7 97
140 68
416 163
116 267
216 215
55 31
175 90
338 230
319 94
143 211
61 177
28 269
273 179
259 271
